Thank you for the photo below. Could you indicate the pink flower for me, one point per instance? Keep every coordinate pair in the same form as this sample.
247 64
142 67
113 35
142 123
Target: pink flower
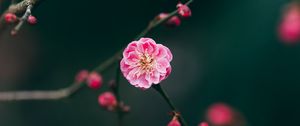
145 63
203 124
81 76
174 122
94 80
289 29
183 10
107 100
220 114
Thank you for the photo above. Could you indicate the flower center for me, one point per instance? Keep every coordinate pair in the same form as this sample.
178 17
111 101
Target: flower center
146 62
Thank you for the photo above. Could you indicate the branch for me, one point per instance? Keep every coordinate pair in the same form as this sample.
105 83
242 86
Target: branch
18 8
55 94
165 96
66 92
40 95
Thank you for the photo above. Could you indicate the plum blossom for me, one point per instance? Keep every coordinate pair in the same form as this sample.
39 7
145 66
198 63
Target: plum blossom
145 63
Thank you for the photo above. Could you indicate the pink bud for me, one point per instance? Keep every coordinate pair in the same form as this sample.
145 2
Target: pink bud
81 76
10 18
289 29
94 80
173 21
107 100
174 122
123 107
203 124
183 10
220 114
31 20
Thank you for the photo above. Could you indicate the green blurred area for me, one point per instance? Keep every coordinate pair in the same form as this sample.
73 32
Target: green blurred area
228 51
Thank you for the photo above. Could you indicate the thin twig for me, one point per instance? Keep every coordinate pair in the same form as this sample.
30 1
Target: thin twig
55 94
117 93
22 20
165 96
18 8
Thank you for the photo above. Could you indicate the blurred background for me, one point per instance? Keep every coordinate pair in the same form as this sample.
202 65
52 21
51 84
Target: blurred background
228 52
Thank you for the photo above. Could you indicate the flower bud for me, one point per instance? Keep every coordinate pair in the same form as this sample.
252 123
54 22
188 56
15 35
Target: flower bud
81 76
183 10
174 122
203 124
124 108
94 80
220 114
10 18
173 21
32 20
289 28
107 100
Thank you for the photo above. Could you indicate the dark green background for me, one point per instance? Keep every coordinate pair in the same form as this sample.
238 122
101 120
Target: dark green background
228 51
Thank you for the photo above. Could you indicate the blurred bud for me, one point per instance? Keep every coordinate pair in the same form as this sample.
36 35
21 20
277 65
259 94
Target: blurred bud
124 108
10 18
94 80
112 84
183 10
173 21
203 124
220 114
32 20
81 76
107 100
289 28
174 122
13 32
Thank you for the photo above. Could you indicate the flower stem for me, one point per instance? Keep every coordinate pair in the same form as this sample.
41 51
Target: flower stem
162 92
116 92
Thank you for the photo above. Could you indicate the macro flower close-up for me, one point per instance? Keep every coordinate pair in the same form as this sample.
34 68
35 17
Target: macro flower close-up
145 63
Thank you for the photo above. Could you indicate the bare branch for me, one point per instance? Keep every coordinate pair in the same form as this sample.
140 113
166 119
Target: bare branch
54 94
